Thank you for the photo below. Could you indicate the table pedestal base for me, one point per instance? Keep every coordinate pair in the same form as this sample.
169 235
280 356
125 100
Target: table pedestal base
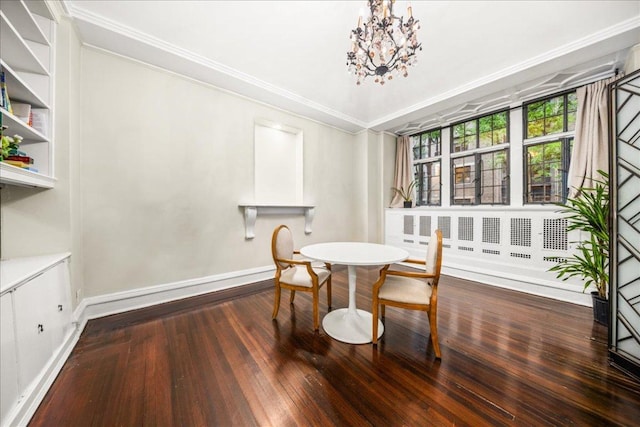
350 326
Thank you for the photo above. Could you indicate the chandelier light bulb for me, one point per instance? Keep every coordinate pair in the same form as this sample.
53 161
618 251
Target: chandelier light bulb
383 44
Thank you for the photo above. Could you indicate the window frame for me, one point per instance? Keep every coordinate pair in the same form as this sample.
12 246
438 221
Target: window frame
565 137
566 142
476 177
565 115
476 119
422 162
477 153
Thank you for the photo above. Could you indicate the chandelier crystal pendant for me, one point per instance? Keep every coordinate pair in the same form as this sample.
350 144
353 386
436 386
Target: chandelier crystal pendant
384 45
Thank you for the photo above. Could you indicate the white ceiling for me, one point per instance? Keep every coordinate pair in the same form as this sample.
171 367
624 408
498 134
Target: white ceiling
292 54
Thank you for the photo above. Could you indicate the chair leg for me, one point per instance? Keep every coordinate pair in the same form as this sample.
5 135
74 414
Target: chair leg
329 292
316 315
276 303
374 316
433 326
292 297
382 310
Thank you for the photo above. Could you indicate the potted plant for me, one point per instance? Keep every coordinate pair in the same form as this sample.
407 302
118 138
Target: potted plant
589 214
9 144
407 195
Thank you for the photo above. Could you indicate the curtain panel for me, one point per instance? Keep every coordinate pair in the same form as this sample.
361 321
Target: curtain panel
590 151
404 169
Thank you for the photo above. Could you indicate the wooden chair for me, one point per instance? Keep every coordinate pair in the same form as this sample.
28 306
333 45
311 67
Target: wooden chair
411 289
297 274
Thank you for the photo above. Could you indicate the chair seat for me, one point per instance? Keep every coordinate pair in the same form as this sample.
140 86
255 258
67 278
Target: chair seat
405 290
299 276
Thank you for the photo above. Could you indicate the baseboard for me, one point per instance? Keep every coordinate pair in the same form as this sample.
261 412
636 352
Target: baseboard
567 292
119 302
539 288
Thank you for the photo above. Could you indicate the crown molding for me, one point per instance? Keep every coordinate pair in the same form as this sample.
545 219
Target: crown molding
622 34
109 35
106 34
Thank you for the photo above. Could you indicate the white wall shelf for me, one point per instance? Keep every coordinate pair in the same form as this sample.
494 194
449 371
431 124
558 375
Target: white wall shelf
27 33
17 176
252 211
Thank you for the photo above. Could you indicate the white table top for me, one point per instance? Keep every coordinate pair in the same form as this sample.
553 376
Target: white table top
354 253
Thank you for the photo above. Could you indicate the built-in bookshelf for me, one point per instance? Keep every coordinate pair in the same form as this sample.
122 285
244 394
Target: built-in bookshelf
27 65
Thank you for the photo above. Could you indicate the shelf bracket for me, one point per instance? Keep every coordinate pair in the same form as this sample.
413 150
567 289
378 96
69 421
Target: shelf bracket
252 211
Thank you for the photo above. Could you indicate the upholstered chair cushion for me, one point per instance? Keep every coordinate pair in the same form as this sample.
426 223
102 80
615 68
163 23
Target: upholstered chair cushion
299 276
284 246
406 290
432 255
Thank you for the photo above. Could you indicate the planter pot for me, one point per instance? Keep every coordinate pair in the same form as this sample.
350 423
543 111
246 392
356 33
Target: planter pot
408 204
600 309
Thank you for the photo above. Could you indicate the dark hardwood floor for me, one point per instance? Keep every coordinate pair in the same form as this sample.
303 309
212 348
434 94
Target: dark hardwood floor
507 359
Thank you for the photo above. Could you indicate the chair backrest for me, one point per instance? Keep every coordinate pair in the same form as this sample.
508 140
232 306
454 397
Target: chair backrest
282 246
434 256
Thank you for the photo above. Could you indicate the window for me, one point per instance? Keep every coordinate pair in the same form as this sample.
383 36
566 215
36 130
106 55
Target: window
549 126
546 167
481 175
551 116
486 131
426 162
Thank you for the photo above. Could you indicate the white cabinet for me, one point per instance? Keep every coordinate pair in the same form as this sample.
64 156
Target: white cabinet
8 360
36 322
27 32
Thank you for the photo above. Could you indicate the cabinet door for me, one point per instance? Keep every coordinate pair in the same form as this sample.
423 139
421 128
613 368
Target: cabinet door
8 360
33 321
59 306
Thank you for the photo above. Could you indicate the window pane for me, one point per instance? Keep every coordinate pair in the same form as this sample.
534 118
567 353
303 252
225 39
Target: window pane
415 144
544 175
500 136
494 183
535 128
548 116
571 121
470 128
485 124
500 120
428 178
463 180
424 153
553 124
554 106
458 130
434 143
433 190
572 101
486 139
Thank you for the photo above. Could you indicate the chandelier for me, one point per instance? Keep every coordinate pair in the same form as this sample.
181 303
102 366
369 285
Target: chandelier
384 45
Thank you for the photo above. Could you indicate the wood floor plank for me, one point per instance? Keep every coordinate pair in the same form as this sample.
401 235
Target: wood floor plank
508 358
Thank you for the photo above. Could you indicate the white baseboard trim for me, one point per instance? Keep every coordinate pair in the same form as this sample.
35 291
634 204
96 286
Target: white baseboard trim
119 302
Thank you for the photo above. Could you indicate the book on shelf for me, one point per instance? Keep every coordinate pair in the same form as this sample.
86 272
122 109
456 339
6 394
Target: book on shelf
6 102
2 84
24 159
15 163
22 111
40 120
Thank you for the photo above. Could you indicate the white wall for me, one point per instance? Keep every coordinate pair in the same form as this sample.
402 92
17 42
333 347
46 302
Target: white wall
165 162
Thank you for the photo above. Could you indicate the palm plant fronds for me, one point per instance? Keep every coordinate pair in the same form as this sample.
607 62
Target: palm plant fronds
589 213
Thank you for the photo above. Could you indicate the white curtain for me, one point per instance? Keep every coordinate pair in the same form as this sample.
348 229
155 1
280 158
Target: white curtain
404 169
591 142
